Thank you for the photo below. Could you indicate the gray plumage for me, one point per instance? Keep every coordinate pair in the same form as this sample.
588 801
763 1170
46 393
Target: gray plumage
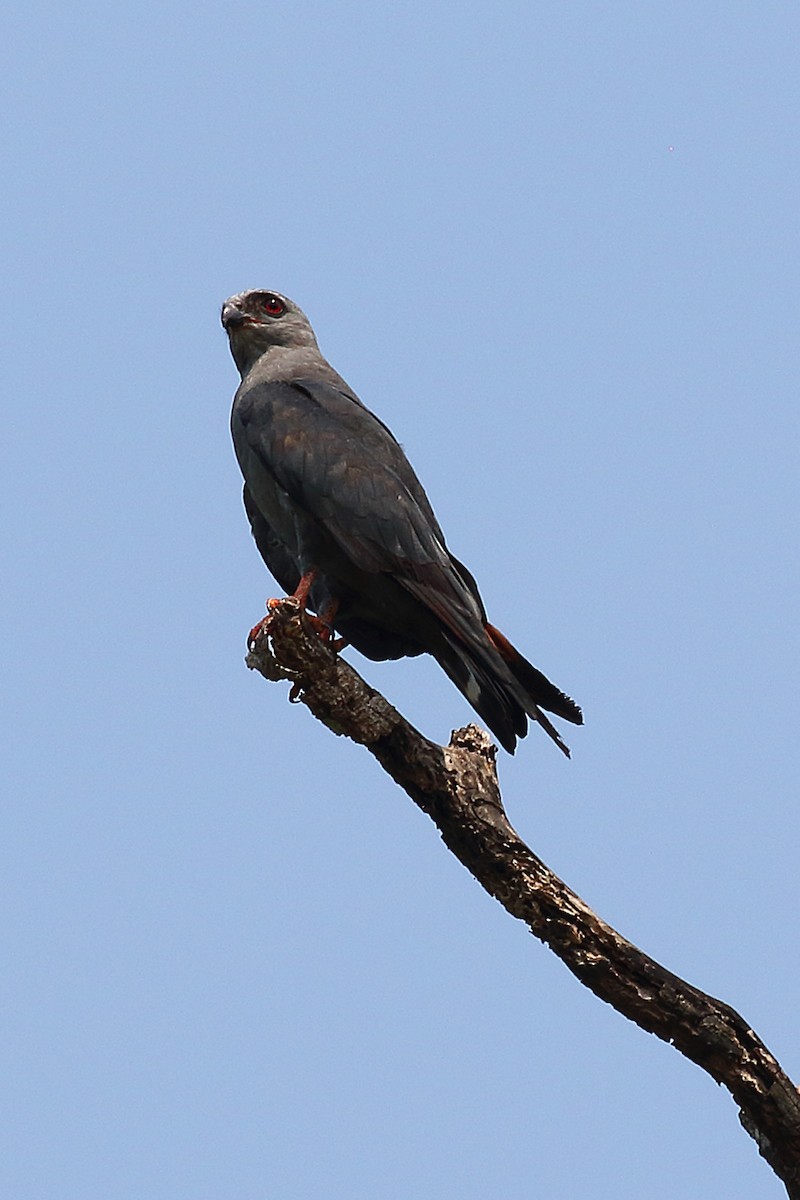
329 490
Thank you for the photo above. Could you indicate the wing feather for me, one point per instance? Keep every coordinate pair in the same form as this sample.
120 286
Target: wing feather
342 468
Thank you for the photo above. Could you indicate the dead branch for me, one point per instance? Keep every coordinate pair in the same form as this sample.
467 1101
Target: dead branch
456 785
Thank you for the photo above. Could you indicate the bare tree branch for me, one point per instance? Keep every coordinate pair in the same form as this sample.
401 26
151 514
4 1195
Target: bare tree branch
457 787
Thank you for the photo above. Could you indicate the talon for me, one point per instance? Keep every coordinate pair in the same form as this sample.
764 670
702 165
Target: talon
296 692
258 630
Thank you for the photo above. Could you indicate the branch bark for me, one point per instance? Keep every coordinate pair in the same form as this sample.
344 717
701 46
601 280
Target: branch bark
456 785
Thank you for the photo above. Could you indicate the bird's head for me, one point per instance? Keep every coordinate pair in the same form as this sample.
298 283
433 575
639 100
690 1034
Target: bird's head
257 321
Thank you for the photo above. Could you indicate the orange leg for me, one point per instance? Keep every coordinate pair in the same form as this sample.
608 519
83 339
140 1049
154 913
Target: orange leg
304 587
300 593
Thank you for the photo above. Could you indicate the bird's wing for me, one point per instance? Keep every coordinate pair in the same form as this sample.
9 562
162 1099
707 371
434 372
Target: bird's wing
336 461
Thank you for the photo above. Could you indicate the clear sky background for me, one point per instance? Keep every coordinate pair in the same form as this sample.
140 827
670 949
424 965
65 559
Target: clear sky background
555 247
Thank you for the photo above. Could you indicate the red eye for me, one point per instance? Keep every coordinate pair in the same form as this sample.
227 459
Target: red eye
274 306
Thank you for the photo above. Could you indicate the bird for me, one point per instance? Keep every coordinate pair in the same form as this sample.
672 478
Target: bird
343 523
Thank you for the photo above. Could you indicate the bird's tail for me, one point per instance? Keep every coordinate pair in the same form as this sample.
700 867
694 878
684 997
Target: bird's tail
505 689
538 686
479 684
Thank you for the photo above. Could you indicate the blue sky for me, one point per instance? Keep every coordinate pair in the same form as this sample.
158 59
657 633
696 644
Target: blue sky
555 248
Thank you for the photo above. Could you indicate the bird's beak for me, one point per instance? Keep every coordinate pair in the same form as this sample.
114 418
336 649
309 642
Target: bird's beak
232 316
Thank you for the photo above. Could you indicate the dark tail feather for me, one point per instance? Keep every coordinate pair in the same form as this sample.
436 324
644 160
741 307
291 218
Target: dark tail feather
489 696
504 704
542 692
504 693
550 730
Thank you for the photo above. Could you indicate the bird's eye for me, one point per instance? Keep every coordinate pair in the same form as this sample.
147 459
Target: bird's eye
274 306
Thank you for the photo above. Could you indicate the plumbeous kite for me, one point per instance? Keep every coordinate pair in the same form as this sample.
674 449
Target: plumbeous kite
343 523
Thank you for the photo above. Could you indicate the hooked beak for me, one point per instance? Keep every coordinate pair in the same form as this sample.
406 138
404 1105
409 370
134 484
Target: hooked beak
232 316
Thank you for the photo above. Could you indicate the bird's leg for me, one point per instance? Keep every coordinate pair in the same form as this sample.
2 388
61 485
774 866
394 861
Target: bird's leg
300 593
304 587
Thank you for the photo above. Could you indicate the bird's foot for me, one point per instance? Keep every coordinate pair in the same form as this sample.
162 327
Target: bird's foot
322 628
322 625
262 627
